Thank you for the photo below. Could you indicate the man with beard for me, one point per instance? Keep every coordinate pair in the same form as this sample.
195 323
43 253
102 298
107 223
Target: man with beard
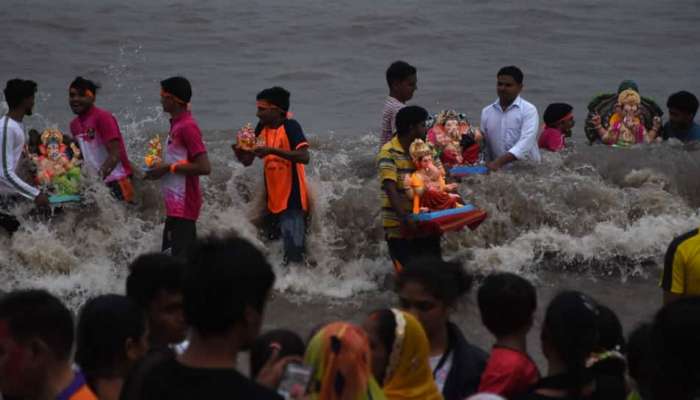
101 142
19 95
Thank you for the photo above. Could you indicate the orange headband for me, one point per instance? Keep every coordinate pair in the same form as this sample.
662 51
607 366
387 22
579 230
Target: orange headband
89 93
266 105
164 93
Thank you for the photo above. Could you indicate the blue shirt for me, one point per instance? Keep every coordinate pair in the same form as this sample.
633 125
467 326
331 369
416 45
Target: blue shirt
511 131
690 135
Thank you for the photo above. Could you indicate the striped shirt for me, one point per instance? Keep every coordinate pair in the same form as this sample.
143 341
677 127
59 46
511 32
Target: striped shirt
11 147
682 265
391 107
393 164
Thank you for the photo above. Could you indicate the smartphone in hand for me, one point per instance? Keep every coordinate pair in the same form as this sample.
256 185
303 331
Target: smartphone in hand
295 380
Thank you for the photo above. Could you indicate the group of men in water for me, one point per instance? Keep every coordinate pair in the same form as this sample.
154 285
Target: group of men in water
283 147
510 133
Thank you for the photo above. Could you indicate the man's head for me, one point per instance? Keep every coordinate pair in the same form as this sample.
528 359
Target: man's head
36 338
682 107
559 116
175 94
155 284
81 94
111 336
19 94
226 284
402 80
507 303
509 83
410 122
272 105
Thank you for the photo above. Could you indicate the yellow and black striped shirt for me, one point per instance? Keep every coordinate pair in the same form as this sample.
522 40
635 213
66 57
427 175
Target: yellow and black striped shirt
393 164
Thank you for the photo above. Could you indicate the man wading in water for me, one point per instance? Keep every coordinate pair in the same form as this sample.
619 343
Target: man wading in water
285 151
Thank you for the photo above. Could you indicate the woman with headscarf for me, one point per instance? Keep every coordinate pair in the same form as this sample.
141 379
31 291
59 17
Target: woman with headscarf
340 357
400 352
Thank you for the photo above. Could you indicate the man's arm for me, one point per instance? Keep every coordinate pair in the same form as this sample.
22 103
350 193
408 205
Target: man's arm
392 191
300 155
8 170
527 141
112 158
245 157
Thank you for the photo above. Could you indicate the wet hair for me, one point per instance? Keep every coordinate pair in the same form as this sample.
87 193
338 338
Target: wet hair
444 280
610 336
684 101
512 71
17 90
276 95
152 273
38 314
290 345
570 329
84 85
179 87
506 303
222 277
399 71
408 117
386 325
640 363
674 345
105 324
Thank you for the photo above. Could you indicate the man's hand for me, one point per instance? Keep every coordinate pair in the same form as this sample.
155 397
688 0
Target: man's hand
409 225
157 172
271 373
42 200
263 151
493 166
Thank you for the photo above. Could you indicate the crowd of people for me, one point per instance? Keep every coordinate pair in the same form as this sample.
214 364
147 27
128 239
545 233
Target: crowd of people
179 330
190 310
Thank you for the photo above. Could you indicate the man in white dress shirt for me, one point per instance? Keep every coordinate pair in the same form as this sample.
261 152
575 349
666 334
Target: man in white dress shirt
510 124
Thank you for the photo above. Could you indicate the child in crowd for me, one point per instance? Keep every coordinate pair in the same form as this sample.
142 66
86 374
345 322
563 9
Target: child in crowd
559 120
402 80
111 339
607 358
507 304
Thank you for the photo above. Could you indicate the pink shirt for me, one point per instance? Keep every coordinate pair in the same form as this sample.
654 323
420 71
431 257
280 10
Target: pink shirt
551 139
182 195
508 373
93 130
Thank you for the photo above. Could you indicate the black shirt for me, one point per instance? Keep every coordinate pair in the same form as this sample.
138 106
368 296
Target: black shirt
172 380
606 388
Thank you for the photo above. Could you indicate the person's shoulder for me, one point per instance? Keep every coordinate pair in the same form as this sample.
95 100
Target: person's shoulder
292 125
527 106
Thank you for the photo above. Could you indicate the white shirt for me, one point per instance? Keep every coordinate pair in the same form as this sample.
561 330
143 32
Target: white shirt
391 108
12 140
441 374
511 131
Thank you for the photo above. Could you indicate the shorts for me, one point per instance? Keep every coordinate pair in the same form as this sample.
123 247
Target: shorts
122 189
403 251
178 235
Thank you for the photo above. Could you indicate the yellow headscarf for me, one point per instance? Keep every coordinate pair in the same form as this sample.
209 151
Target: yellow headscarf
339 355
408 374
